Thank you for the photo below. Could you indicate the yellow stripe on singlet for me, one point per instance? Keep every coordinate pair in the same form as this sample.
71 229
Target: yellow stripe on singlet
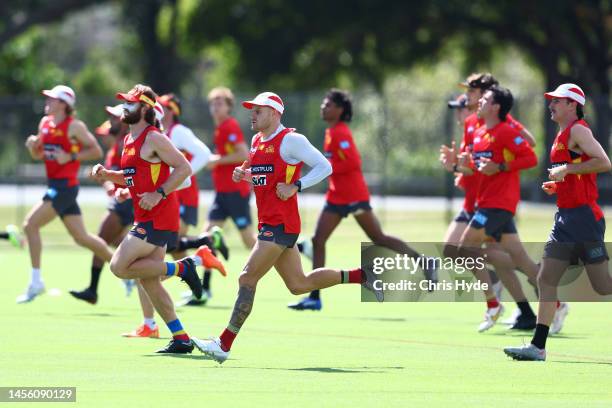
289 174
155 168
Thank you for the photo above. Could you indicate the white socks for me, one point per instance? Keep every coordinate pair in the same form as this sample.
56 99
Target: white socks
35 277
150 323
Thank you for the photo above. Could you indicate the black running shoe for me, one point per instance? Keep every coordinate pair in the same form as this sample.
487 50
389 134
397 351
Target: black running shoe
191 278
524 323
177 347
87 295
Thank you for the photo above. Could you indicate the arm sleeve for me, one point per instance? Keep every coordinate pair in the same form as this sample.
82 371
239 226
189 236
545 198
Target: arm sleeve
344 154
186 141
522 155
296 148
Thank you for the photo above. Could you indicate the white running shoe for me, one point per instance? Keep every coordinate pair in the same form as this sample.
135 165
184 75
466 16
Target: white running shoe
211 348
513 317
34 289
490 318
559 319
526 353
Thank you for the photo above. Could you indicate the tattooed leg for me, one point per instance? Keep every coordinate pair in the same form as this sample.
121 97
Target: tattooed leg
242 308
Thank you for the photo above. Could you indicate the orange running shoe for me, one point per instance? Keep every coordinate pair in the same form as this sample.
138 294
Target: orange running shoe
143 331
209 261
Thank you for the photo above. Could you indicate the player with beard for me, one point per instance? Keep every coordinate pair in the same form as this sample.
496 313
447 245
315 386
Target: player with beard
146 162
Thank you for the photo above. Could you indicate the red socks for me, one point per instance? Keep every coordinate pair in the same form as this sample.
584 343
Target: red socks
491 303
352 276
227 338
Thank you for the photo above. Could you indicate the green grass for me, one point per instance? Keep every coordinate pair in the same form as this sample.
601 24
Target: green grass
350 354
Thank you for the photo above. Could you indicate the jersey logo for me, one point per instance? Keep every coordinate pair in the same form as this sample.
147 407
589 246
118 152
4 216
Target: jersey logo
518 140
269 149
128 176
262 169
129 151
261 147
232 137
480 218
559 146
50 150
260 180
345 144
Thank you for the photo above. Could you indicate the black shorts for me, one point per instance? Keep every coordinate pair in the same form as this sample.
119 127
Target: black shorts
124 210
495 221
464 216
577 236
232 205
62 197
277 234
189 215
344 210
160 238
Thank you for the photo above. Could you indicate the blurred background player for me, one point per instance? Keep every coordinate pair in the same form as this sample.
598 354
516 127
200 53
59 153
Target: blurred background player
12 235
120 214
231 199
347 192
578 232
476 84
499 153
62 143
277 155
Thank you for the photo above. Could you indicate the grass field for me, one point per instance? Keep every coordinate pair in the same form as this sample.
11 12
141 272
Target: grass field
349 354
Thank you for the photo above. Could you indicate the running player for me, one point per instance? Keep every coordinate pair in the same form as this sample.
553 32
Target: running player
499 153
523 318
347 193
579 228
12 235
120 215
277 155
231 199
62 143
148 155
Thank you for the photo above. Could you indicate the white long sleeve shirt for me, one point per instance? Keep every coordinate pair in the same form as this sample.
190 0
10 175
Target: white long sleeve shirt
296 148
185 140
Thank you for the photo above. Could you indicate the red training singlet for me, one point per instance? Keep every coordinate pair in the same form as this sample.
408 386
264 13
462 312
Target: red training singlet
267 170
55 137
112 160
346 183
142 176
576 189
227 135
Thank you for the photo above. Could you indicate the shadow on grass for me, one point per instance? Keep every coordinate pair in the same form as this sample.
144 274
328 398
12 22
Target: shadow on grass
376 319
329 370
528 334
184 356
608 363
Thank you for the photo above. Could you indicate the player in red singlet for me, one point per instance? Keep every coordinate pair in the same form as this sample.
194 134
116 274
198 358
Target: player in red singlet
146 162
120 214
62 143
276 157
347 192
579 228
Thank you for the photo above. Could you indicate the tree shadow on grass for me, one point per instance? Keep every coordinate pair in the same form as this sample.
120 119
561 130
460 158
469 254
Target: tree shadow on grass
608 363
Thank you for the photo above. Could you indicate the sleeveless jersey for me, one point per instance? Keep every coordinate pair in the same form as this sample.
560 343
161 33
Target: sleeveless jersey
55 138
142 176
267 170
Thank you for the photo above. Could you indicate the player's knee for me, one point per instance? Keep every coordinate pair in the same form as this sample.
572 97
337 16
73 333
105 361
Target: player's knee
81 239
28 226
603 290
247 279
118 269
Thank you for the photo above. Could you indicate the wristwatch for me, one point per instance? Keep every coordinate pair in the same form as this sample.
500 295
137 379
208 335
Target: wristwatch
298 184
73 156
503 167
162 192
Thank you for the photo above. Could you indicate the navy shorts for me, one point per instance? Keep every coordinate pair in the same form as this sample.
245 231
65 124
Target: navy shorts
277 234
189 215
232 205
464 216
160 238
577 236
124 210
344 210
495 221
62 197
